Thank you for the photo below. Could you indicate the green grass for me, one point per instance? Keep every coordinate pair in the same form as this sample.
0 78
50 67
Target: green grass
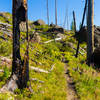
43 56
5 47
7 18
87 79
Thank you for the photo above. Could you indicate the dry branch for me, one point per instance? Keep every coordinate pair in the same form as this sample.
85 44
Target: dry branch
5 59
39 70
2 37
5 24
56 39
1 70
35 79
52 67
42 70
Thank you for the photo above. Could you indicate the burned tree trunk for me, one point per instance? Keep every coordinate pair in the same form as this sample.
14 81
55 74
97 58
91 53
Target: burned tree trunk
90 28
20 68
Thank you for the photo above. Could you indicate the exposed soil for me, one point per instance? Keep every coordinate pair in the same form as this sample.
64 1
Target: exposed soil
71 91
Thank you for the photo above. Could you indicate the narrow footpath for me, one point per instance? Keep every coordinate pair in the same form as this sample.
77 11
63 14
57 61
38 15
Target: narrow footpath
71 91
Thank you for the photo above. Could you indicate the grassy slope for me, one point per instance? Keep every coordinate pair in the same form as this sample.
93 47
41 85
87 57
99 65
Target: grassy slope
87 80
42 56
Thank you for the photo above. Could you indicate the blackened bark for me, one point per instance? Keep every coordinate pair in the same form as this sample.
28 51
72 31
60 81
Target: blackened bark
20 68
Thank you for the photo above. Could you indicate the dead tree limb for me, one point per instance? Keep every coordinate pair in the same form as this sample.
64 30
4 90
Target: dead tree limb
56 39
42 70
1 70
39 70
52 67
35 79
5 59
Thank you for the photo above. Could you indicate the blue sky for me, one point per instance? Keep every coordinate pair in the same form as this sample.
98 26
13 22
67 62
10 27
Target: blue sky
37 10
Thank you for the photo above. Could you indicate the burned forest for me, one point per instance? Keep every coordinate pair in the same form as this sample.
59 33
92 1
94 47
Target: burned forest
42 57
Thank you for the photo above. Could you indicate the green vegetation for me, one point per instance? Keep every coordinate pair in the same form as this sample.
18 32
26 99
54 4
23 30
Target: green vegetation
6 18
54 83
51 86
86 79
44 56
5 48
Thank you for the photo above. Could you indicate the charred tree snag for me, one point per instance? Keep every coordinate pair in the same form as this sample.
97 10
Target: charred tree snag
90 28
85 8
20 68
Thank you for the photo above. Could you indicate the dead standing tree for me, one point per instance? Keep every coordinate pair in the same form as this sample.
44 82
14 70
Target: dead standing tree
66 19
90 28
47 13
20 69
84 13
55 12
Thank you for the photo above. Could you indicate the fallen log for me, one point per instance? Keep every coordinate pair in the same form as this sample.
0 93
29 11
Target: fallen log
2 37
1 70
83 49
5 24
5 59
56 39
52 67
35 79
6 33
39 70
79 52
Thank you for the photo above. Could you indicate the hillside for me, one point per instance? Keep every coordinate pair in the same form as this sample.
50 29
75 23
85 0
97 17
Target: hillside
54 70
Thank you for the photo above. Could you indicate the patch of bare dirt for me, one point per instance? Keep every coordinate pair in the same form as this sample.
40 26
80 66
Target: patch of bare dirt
71 91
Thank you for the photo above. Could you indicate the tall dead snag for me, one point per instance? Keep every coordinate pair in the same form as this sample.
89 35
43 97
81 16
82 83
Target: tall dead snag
90 28
19 67
47 13
56 12
84 13
66 19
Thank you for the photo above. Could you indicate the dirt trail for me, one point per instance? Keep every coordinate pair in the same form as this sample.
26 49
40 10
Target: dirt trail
71 92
